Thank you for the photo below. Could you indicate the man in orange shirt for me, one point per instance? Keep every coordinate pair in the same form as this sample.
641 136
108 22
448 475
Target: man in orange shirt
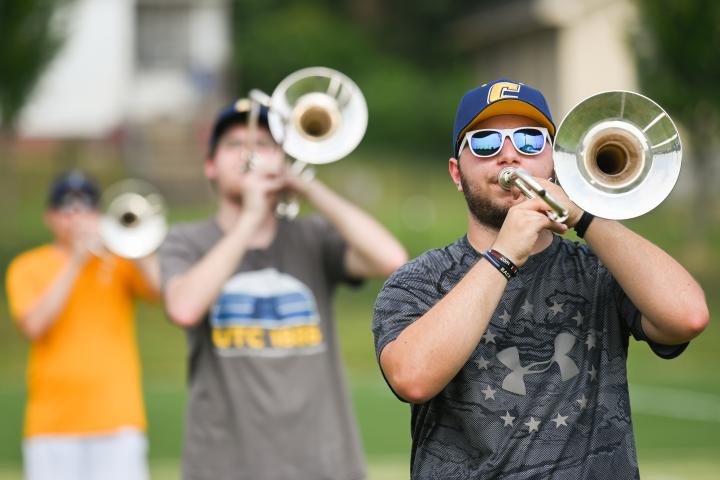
73 300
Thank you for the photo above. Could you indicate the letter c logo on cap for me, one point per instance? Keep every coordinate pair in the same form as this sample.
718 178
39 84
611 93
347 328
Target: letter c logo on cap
503 90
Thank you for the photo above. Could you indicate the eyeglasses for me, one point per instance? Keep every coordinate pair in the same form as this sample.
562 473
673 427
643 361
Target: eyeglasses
73 202
488 142
260 144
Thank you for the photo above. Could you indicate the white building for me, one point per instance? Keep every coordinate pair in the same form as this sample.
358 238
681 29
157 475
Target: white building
568 49
129 61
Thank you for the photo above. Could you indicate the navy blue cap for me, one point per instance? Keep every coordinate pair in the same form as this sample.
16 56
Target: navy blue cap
73 186
237 112
500 97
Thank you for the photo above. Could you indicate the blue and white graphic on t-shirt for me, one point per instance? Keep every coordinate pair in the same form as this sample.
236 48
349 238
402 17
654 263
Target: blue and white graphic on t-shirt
268 313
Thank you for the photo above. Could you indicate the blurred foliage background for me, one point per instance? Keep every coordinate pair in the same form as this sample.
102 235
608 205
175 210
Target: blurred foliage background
407 60
410 74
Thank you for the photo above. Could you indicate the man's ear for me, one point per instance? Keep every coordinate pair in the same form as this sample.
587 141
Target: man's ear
553 177
210 168
454 169
47 219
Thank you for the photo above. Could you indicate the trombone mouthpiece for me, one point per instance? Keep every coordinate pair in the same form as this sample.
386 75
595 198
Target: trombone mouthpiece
505 178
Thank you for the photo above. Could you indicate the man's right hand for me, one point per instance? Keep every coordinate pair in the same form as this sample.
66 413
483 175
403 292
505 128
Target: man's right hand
86 240
522 228
261 187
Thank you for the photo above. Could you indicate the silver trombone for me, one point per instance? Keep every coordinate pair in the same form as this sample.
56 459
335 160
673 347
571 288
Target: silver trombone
318 115
530 187
133 223
616 154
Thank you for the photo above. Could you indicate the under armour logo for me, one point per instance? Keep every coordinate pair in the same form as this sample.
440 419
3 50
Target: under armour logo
515 381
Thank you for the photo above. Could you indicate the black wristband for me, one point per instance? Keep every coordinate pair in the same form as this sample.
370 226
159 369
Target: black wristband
504 260
495 263
582 225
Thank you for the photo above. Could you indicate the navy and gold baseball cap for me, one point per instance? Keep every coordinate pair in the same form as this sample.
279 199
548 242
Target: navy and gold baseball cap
237 112
500 97
73 186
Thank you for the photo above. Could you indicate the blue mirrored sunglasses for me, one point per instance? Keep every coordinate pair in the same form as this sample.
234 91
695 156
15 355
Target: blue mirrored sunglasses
488 142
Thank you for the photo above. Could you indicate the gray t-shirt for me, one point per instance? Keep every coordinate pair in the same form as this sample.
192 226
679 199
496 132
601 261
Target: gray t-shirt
268 398
544 395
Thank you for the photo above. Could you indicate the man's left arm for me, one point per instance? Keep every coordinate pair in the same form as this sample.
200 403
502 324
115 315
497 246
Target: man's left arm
372 250
671 302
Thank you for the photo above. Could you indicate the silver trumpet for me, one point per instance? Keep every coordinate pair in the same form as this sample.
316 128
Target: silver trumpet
616 154
133 223
318 115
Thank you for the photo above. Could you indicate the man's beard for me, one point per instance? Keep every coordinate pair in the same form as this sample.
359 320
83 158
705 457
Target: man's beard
483 209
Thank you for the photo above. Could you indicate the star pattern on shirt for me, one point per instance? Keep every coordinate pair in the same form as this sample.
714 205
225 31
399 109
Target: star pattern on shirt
593 373
582 401
508 419
559 420
578 318
527 308
533 425
591 341
556 308
481 363
489 393
505 317
489 337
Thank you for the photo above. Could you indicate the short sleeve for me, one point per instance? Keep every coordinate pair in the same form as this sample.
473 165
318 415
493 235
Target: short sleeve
176 256
24 286
406 296
139 285
632 320
334 248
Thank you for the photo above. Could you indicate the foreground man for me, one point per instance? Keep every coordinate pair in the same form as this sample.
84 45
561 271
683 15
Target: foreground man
511 343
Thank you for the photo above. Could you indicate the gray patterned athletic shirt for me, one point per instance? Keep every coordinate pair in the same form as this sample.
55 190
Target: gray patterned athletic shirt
544 395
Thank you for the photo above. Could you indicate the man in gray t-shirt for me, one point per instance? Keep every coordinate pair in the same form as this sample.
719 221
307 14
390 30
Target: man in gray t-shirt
267 398
511 343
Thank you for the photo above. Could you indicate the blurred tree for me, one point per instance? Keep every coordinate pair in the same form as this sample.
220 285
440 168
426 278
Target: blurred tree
419 31
410 74
29 39
28 42
677 49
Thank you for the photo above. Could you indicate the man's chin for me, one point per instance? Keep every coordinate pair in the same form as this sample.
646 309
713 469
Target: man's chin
490 209
487 213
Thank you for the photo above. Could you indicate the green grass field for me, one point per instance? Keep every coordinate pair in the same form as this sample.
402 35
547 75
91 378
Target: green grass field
676 404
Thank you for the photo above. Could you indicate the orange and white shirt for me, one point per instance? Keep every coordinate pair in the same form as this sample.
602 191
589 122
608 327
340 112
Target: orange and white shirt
84 373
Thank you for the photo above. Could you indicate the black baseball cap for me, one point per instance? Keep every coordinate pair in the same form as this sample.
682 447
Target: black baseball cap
238 112
73 186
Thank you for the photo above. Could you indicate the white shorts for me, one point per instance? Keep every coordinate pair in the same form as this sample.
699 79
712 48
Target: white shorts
116 456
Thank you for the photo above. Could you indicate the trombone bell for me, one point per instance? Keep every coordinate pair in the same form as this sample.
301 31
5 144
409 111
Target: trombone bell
617 154
133 225
318 115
